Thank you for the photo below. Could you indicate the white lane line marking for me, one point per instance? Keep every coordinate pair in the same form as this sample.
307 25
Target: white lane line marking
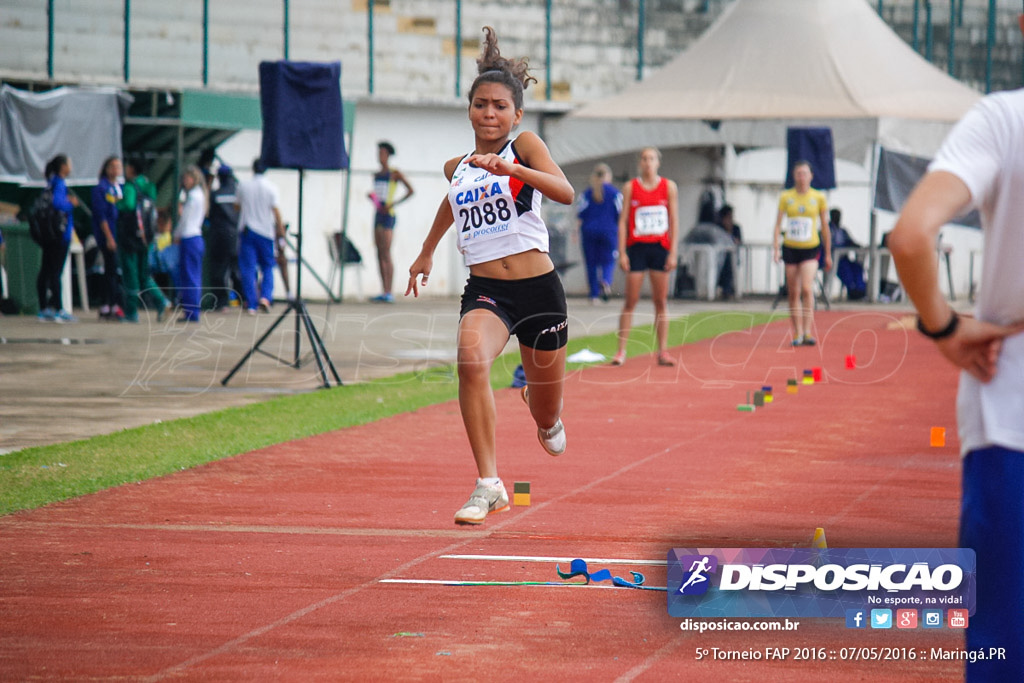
528 584
539 558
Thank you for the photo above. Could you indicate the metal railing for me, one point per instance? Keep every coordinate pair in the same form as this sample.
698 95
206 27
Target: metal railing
928 23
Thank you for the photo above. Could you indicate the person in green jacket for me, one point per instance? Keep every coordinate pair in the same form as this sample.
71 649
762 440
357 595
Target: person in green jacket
139 194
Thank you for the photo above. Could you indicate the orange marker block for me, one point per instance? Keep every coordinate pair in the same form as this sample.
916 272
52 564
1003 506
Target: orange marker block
938 437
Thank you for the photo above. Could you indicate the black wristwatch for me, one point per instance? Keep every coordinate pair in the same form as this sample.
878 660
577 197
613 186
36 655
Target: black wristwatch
946 331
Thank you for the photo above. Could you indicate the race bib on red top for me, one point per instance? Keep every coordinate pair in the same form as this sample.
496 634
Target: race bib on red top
650 221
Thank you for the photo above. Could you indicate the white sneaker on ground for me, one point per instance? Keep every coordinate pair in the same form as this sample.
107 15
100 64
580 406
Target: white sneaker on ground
485 500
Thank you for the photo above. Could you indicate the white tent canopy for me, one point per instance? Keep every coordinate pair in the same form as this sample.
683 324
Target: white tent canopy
768 64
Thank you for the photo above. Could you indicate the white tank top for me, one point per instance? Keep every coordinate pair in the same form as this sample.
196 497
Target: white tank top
495 216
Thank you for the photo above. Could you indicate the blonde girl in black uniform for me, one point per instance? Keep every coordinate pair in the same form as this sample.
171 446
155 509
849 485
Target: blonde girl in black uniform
494 202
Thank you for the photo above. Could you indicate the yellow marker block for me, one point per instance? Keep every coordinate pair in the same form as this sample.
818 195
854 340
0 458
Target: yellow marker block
768 398
819 539
808 380
938 438
521 493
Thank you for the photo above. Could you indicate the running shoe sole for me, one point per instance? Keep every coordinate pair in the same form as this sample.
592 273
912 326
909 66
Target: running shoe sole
470 513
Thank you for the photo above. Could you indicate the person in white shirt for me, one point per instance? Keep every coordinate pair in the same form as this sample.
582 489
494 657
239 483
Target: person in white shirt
188 234
981 166
260 225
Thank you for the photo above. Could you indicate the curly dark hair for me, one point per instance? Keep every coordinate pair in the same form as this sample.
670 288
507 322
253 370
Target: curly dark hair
493 68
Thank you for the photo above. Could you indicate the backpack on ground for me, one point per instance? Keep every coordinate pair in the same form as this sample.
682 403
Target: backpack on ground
851 274
46 222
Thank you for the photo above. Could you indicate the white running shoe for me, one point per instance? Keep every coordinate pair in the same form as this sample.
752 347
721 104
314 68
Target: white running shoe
553 440
485 500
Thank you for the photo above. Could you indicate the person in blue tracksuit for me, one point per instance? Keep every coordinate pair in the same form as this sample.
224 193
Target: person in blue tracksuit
598 212
48 285
188 235
105 197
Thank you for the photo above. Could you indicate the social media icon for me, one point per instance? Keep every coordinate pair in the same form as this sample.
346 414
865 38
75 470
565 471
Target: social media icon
957 618
906 618
856 618
931 618
881 618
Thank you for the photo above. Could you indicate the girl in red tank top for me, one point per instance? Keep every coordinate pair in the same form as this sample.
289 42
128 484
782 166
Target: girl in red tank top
648 230
648 214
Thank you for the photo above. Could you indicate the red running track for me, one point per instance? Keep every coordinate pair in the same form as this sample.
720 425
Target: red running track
269 565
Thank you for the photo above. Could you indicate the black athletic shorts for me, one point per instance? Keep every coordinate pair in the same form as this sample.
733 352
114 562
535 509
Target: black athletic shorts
384 220
793 256
646 256
532 309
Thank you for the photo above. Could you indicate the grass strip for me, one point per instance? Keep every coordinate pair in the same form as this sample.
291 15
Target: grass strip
33 477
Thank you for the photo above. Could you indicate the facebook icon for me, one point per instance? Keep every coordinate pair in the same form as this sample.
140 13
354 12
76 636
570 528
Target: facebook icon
856 618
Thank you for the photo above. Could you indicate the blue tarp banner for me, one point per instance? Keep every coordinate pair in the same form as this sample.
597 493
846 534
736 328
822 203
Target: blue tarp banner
303 125
815 146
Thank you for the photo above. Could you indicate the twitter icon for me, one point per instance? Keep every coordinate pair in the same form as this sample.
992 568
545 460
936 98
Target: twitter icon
881 618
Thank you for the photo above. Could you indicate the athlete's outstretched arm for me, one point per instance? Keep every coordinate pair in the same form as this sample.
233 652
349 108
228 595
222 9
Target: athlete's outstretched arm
443 220
538 169
425 261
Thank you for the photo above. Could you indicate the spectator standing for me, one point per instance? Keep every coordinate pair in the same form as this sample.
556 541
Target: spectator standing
385 187
188 235
48 285
599 209
105 197
139 198
726 276
981 166
222 242
260 223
